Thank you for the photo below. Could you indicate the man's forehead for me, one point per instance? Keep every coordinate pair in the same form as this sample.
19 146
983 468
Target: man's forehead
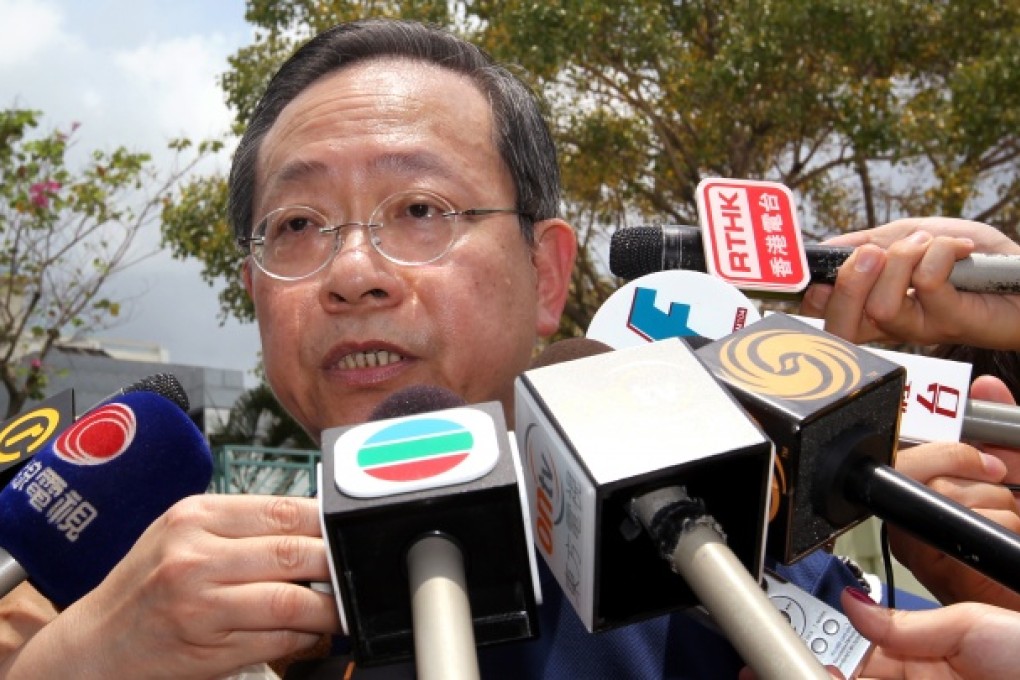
378 99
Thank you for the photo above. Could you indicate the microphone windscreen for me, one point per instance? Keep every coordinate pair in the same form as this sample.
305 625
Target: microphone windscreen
414 400
635 251
79 505
568 350
164 384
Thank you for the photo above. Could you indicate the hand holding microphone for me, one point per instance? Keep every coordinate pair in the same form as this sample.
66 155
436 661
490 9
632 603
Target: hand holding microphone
974 478
206 588
870 298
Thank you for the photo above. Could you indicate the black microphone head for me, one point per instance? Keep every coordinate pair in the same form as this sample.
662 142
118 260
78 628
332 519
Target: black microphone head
416 399
165 385
568 350
635 251
426 463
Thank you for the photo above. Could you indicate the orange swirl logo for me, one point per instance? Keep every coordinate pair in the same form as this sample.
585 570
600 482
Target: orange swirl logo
790 365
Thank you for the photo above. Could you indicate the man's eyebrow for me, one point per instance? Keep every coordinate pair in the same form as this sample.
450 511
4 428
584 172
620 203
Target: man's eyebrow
410 163
297 171
394 163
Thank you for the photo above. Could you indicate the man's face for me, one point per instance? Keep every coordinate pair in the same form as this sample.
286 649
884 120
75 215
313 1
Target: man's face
337 343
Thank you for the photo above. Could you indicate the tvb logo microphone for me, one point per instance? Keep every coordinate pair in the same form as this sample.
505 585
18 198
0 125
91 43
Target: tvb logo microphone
427 451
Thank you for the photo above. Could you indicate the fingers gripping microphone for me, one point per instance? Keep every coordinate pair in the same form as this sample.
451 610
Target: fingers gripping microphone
636 251
645 438
78 506
426 489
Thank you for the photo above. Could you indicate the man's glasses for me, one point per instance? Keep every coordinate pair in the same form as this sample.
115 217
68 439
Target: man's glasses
408 228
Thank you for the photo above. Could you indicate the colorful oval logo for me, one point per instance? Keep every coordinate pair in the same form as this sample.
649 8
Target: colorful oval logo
415 450
97 437
413 453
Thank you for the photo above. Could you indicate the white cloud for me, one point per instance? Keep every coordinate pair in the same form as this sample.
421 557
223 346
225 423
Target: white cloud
177 80
29 27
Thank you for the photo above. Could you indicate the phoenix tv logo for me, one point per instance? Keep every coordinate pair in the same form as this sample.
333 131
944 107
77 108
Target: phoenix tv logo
426 451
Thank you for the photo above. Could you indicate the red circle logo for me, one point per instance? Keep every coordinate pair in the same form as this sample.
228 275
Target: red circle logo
98 437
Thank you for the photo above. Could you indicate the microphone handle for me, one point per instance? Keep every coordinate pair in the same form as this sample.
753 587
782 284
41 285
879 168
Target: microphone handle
444 639
12 574
991 423
753 625
941 522
683 248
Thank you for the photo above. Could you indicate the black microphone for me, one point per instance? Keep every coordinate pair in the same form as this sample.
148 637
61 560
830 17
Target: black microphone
636 251
644 438
832 410
76 508
425 496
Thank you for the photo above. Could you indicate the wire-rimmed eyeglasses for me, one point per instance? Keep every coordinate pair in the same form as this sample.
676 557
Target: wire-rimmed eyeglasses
408 228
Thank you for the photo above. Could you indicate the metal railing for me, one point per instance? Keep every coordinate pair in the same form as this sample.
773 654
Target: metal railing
240 468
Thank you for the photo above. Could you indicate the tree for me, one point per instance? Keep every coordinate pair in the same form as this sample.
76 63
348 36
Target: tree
868 111
63 234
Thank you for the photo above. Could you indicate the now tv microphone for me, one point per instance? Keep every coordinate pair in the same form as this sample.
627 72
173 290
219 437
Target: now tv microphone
76 508
833 409
645 438
426 474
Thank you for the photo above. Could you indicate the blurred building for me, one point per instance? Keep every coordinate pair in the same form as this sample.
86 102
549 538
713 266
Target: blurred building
96 368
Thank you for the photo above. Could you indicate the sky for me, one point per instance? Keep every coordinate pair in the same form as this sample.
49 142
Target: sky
137 73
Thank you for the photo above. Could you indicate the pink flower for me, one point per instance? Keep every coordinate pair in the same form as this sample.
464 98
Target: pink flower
40 192
36 364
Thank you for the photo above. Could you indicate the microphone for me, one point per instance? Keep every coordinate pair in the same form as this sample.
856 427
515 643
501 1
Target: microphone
636 251
424 499
832 410
645 438
991 423
22 436
935 402
75 509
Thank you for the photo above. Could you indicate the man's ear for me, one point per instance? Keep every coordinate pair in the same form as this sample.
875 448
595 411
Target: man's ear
246 276
555 251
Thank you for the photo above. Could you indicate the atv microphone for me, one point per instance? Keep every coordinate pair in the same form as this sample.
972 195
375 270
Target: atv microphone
644 438
76 508
832 410
636 251
425 499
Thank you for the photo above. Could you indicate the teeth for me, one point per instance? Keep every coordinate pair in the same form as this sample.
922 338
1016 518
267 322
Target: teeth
369 359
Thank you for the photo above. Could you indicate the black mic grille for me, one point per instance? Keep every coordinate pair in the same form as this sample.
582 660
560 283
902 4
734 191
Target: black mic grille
635 251
414 400
165 385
